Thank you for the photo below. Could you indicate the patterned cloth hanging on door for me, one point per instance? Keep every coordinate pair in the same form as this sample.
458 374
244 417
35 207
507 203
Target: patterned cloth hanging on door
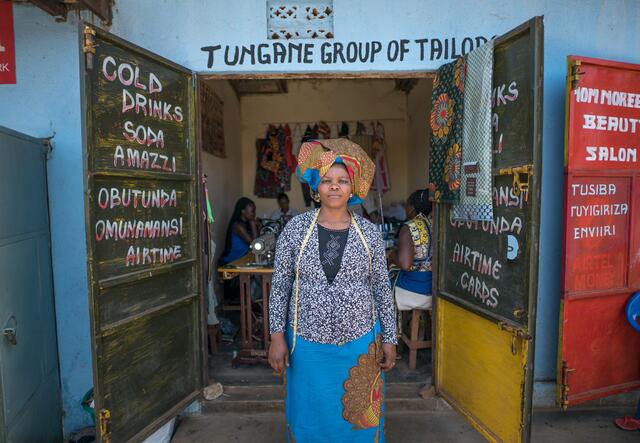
476 190
445 149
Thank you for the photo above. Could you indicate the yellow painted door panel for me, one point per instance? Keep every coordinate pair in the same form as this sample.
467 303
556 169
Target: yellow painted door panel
477 372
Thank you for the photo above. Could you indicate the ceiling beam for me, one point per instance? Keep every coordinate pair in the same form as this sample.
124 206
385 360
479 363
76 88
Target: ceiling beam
53 7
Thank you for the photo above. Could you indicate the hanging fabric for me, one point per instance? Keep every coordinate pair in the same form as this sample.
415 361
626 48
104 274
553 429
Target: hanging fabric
272 173
476 200
309 134
296 138
335 130
284 171
212 299
344 130
382 181
363 139
445 148
324 131
209 250
290 158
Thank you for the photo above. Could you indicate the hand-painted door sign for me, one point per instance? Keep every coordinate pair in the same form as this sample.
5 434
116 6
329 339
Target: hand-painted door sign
601 248
7 44
142 236
488 270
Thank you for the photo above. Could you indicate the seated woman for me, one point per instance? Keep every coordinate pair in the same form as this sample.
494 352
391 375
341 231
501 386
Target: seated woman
243 228
413 256
284 211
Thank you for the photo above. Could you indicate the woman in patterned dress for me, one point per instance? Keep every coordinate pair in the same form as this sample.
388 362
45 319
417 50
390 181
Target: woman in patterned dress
331 313
414 255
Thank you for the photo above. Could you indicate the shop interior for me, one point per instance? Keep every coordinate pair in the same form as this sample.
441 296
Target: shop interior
237 116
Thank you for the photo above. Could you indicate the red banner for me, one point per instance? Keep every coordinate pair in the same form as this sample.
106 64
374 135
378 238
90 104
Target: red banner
7 46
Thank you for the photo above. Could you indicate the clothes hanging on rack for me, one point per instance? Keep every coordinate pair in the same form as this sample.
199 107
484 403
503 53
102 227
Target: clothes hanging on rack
324 131
382 180
309 134
363 139
273 176
344 130
284 171
291 159
296 138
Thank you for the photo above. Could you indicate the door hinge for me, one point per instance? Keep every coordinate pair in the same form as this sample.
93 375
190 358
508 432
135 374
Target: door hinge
521 178
564 386
517 334
89 46
47 147
105 425
576 73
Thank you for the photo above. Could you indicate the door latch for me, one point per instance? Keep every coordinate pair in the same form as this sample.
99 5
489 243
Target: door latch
564 385
521 178
89 46
10 331
576 73
10 335
516 334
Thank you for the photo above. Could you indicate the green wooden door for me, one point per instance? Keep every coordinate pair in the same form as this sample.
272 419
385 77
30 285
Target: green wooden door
141 206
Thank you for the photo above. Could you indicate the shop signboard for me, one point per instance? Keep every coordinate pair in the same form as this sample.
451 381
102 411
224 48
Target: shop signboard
7 44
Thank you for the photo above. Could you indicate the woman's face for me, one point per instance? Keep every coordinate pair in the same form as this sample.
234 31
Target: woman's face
283 202
335 187
249 212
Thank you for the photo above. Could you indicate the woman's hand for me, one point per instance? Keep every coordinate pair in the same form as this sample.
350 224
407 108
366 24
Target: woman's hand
389 354
279 353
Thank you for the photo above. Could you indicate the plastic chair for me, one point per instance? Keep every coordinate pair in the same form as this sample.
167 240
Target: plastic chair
633 315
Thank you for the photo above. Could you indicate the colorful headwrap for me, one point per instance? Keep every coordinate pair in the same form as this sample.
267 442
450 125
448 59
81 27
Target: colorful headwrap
316 157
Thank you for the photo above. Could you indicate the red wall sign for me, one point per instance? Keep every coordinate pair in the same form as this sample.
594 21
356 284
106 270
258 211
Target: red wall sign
601 262
7 46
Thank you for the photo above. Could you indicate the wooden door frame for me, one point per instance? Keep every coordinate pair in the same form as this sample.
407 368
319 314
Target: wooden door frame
315 75
347 75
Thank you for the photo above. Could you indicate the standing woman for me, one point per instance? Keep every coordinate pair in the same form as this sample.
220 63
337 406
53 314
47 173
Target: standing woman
331 313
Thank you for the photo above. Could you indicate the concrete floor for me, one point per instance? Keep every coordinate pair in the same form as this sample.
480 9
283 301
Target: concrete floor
411 427
232 422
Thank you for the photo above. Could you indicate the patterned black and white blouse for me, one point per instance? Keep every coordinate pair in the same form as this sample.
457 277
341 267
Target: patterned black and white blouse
337 312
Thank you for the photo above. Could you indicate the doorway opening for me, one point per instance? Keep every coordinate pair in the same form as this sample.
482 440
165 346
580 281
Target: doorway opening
393 108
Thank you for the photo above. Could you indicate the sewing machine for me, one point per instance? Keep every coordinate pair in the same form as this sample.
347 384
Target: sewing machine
264 248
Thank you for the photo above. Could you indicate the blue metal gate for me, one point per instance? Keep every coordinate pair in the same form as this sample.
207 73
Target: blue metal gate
30 405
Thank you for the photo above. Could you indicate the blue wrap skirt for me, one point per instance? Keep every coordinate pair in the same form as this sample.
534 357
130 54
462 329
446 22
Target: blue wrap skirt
335 393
